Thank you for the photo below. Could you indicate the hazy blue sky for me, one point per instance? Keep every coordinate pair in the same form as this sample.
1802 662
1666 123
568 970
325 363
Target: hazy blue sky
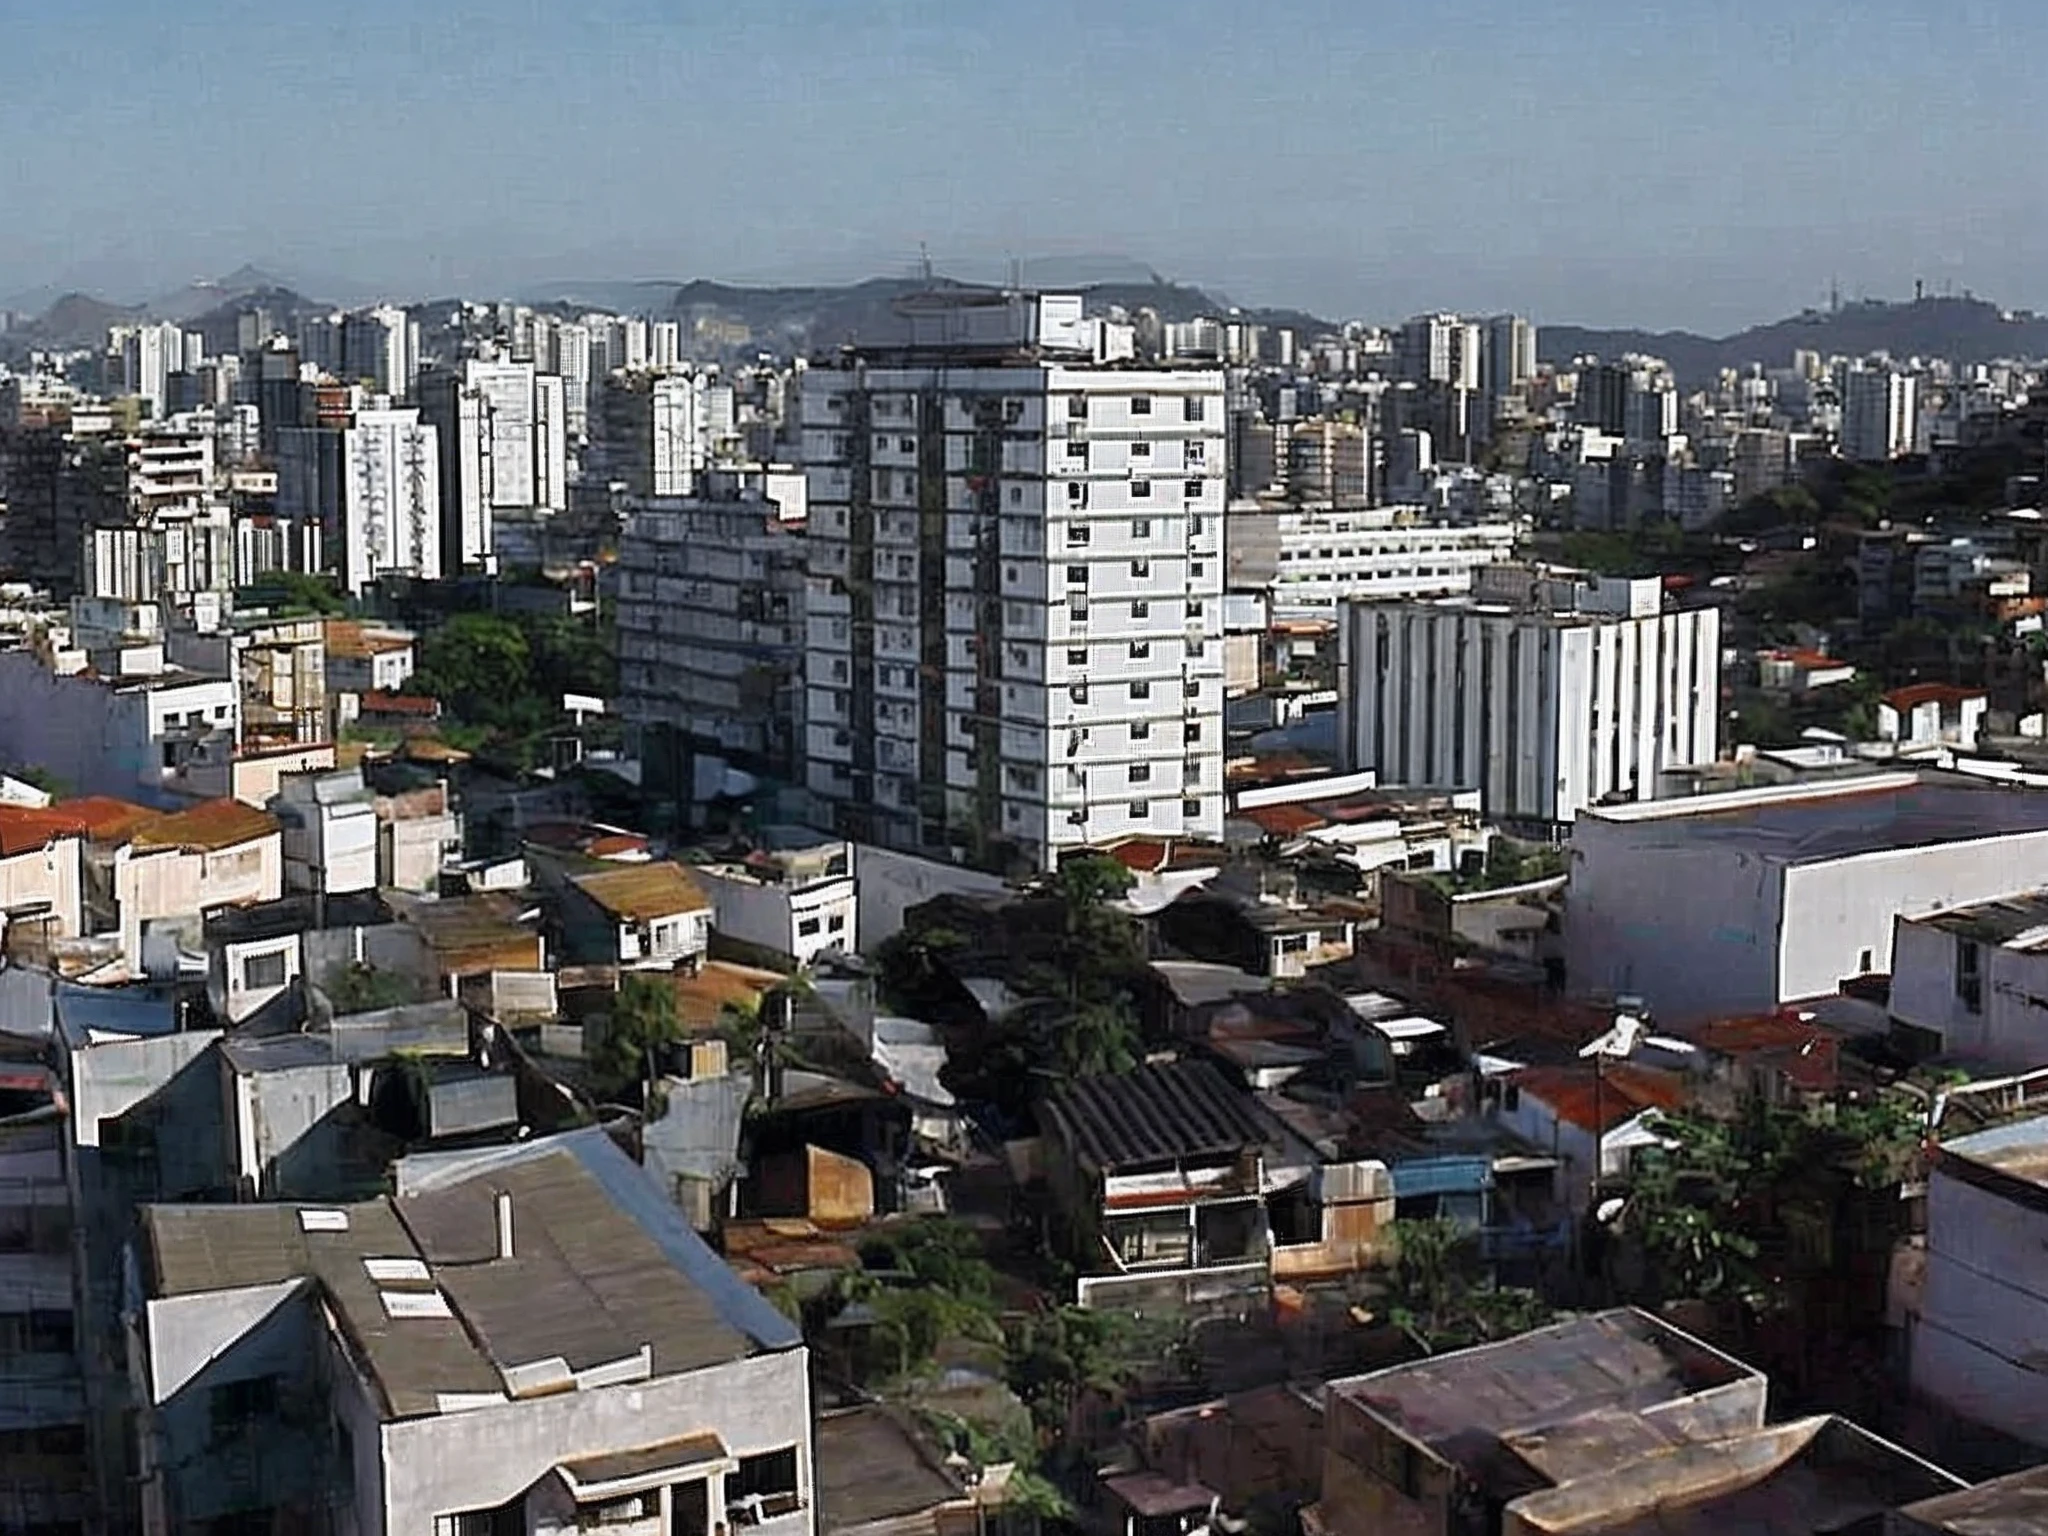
1702 164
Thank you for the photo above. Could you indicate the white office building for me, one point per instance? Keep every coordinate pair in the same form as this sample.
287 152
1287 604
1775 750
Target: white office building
1878 417
1016 606
1547 691
1309 559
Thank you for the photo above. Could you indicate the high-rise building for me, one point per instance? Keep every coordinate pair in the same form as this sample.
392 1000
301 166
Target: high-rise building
503 450
372 487
1546 691
1508 360
1878 420
665 344
711 623
1439 349
150 354
1015 619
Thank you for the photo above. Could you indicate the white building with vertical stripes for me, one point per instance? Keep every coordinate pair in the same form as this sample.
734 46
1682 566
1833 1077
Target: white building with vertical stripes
1547 691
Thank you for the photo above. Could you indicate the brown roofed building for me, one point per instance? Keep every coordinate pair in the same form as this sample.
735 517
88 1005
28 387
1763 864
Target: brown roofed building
650 916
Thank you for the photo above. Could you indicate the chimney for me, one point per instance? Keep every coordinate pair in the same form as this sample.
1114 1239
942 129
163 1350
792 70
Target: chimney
504 1225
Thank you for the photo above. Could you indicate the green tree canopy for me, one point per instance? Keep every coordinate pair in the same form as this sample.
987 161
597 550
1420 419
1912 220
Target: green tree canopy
643 1019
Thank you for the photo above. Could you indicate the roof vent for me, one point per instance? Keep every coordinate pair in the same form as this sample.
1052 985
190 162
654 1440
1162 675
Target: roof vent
504 1225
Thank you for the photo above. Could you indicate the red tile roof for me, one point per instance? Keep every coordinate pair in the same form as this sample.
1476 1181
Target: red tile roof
379 702
106 819
1621 1092
1282 820
1916 694
29 829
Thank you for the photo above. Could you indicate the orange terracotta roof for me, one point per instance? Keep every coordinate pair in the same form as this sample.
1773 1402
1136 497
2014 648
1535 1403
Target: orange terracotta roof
1282 820
1621 1092
1916 694
1141 855
208 826
643 892
30 829
703 996
106 819
346 637
611 845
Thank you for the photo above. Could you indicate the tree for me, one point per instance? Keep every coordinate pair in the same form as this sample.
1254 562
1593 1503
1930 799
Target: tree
643 1021
359 988
1439 1294
478 665
289 592
1053 1359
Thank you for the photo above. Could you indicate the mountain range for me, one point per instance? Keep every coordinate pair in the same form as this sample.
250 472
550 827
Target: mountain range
819 318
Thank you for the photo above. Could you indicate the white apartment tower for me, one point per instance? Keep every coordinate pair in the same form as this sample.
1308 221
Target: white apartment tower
1547 691
504 451
1877 413
373 490
1015 612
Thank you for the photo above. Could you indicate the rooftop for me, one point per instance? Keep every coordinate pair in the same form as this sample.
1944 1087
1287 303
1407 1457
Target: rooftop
1155 1116
642 892
2017 922
1794 1479
1948 695
28 829
1813 822
2016 1152
2005 1506
1602 1100
208 826
107 820
872 1467
603 1268
1466 1406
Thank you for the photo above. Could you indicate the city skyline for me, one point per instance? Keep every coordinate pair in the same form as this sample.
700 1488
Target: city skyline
1590 165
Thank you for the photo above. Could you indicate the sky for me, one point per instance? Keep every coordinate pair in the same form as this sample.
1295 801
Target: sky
1700 165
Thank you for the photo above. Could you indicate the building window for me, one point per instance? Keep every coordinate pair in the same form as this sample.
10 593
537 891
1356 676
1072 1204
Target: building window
1077 656
1141 527
1141 405
1140 772
807 928
1077 407
1141 730
1195 453
1077 575
1194 607
1016 495
1077 607
1141 450
235 1408
261 971
1078 693
470 1522
906 445
1191 408
763 1487
1141 689
629 1510
1970 975
1191 808
1193 732
1140 809
1140 649
1077 533
1140 609
1192 689
1077 493
1077 449
1141 490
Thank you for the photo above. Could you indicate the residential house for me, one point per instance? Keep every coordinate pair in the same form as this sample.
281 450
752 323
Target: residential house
42 868
1736 903
1800 671
1971 983
1932 714
363 659
473 935
878 1476
789 902
652 916
330 832
518 1339
1564 1109
219 853
1980 1321
1265 935
1174 1187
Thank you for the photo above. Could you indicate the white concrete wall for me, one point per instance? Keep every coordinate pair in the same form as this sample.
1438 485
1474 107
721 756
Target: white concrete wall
53 875
1835 911
2009 1031
1984 1309
891 883
482 1457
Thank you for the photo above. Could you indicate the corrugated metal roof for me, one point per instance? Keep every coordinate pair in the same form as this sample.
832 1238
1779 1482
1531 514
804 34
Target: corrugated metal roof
643 892
106 819
208 826
1154 1115
30 829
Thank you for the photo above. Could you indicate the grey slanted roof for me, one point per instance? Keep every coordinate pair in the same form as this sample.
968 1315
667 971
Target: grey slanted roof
870 1467
1156 1115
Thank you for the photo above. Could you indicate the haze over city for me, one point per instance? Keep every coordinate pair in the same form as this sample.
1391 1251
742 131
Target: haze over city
1588 161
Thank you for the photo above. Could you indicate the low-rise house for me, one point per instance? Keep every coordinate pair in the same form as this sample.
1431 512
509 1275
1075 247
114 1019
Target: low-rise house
1980 1320
1175 1187
143 867
1264 935
361 659
1971 983
789 902
1932 714
1449 1444
330 832
1800 671
42 872
1567 1109
652 916
526 1338
877 1476
471 935
418 830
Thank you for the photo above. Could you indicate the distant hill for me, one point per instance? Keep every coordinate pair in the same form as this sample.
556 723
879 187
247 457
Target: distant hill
75 320
1967 330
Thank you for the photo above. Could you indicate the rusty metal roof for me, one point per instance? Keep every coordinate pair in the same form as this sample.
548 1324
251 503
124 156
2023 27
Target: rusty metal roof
208 827
30 829
643 892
